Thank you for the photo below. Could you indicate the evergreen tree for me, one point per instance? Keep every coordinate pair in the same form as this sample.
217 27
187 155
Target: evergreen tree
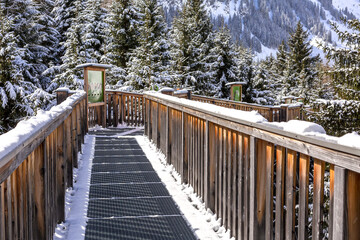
346 70
262 84
246 73
301 75
150 62
69 76
13 104
224 68
93 31
192 40
34 41
124 20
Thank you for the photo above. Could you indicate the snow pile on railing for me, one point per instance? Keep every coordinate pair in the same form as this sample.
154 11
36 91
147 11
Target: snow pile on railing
298 127
27 128
252 116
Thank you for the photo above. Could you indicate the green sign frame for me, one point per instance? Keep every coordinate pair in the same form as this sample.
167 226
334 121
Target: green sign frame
95 86
237 93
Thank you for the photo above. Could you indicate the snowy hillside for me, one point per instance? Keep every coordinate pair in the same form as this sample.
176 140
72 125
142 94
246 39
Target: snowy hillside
263 24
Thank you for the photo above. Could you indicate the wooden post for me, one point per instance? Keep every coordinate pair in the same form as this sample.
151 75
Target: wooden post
252 200
340 218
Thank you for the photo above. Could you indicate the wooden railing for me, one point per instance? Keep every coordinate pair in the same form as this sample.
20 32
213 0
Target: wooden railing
264 183
121 108
36 170
281 113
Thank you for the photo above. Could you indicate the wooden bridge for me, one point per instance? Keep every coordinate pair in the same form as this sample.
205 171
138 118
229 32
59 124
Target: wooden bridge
264 183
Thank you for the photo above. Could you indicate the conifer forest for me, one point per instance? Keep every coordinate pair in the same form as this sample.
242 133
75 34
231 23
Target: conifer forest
42 42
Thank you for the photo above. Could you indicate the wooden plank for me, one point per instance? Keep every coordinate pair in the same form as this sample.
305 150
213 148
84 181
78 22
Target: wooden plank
247 157
8 216
184 147
228 179
128 110
353 205
2 211
252 192
212 156
39 194
21 186
220 170
318 199
290 195
109 104
224 177
280 173
339 218
60 182
331 204
269 191
240 187
206 166
304 167
234 184
202 149
132 110
14 196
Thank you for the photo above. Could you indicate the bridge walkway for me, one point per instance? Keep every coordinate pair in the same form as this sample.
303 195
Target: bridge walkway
127 199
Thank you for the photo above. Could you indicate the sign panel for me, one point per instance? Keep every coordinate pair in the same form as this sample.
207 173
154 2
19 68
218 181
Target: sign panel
95 83
237 93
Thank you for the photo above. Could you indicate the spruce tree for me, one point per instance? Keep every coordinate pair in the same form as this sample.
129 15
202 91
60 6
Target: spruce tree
301 75
192 39
247 72
69 76
224 68
13 104
149 64
345 72
93 31
124 20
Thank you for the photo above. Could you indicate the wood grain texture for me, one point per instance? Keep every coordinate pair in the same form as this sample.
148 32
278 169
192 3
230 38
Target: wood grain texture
318 199
280 183
290 195
304 167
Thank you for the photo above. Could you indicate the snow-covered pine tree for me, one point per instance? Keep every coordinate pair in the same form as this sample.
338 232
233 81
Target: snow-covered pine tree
224 68
48 42
302 75
33 40
93 31
124 20
345 72
246 73
263 83
13 104
192 39
149 65
69 76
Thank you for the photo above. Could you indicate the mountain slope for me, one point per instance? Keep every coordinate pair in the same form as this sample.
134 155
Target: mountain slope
263 24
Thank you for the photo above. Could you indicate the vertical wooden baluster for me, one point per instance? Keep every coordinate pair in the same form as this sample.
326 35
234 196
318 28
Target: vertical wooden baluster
234 188
132 110
39 194
30 187
128 109
135 111
8 213
290 195
202 153
224 176
220 170
246 159
14 196
2 211
331 205
304 196
318 199
230 190
227 176
252 190
21 201
108 105
353 204
339 215
240 187
269 191
280 174
60 165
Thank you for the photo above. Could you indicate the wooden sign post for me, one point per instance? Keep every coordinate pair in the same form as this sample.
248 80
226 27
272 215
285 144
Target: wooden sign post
94 85
236 90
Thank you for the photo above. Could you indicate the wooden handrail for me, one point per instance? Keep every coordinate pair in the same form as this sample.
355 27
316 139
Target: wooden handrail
234 164
271 113
36 170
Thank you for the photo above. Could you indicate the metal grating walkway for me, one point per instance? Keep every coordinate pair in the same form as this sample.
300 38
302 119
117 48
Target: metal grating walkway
127 198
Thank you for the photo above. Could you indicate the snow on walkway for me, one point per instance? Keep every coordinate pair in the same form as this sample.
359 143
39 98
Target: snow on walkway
202 221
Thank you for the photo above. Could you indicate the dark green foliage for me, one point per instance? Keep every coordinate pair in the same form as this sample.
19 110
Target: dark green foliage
346 69
338 117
